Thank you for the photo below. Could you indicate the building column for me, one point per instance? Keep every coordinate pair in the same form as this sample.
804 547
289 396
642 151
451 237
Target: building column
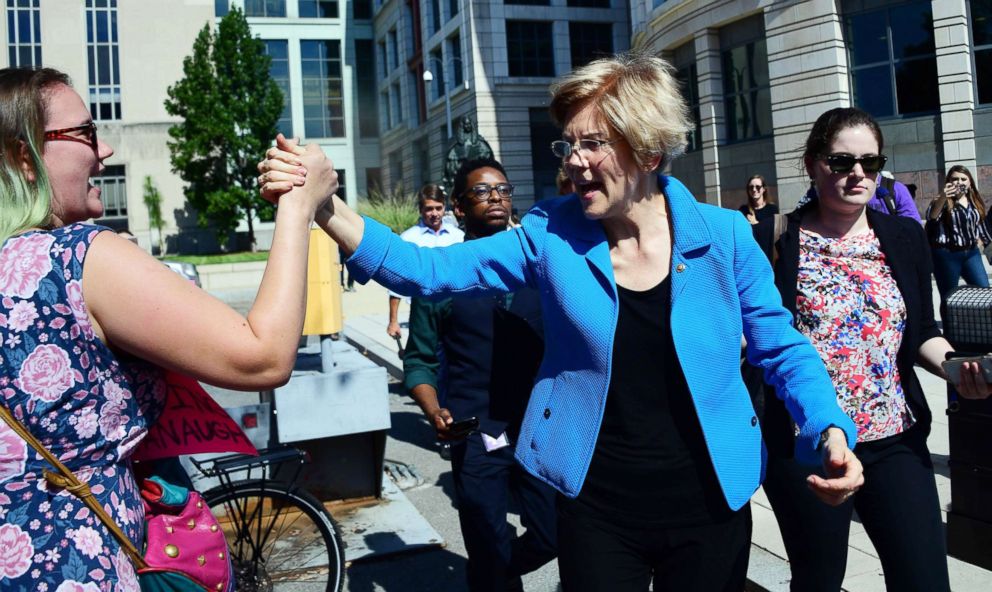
955 77
807 69
711 110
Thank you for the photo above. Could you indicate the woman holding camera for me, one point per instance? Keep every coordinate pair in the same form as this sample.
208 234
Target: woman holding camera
955 223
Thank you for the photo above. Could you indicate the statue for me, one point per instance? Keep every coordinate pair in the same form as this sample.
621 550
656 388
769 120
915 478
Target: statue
468 145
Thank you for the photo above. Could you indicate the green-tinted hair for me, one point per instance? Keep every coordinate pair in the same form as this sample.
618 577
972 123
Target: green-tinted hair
25 192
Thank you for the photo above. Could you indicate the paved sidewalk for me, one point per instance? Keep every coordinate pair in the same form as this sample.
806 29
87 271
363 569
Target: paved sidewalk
365 326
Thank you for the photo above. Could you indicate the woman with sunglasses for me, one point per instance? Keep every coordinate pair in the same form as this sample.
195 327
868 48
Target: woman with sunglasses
638 416
87 319
956 223
758 206
858 284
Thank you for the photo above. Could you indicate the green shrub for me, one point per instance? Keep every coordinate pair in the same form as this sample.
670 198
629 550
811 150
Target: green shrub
395 209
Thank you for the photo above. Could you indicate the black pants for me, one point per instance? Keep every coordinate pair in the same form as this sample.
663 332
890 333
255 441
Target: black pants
484 483
595 554
898 506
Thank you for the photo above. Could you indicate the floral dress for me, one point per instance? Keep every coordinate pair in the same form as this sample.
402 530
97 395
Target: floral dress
84 404
850 308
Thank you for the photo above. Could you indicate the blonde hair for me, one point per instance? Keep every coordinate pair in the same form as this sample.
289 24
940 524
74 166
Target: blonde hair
638 96
25 192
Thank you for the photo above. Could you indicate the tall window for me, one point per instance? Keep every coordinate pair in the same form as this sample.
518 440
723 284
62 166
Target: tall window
394 50
529 48
542 161
380 55
455 59
104 66
690 91
453 8
113 191
436 66
342 192
24 33
323 89
589 41
384 123
893 60
365 82
362 9
319 8
278 52
435 16
746 87
981 41
221 7
270 8
395 111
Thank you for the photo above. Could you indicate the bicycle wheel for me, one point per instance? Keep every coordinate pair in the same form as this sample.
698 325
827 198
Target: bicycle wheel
280 541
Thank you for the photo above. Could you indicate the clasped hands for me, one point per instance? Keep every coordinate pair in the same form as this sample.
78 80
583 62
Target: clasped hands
290 169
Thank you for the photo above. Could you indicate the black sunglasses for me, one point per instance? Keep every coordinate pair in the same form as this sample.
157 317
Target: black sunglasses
844 163
63 134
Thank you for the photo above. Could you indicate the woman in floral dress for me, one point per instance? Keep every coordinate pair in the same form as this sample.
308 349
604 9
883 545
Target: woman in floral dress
858 283
86 320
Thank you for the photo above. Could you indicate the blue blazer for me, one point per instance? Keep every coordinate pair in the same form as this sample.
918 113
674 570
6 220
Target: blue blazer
722 287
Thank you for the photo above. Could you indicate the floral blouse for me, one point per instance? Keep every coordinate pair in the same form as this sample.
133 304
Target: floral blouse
850 308
84 404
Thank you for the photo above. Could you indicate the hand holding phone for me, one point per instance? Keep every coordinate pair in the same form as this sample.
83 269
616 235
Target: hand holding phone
463 427
952 368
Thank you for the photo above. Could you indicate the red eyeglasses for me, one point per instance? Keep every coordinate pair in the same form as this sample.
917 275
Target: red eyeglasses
63 135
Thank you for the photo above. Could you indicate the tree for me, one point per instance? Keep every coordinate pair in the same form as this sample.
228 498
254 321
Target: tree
153 201
229 107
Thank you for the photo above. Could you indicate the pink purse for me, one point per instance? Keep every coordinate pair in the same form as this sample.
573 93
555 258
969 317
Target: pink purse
182 537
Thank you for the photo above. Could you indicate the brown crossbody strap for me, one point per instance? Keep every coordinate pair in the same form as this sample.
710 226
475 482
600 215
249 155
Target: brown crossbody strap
67 480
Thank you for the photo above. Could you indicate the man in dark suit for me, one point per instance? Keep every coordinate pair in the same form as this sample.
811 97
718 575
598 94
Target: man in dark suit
493 346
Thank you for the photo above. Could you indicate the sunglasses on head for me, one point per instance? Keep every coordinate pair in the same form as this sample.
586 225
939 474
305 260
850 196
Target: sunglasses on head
844 163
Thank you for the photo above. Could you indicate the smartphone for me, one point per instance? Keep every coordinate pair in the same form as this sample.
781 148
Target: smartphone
463 427
952 367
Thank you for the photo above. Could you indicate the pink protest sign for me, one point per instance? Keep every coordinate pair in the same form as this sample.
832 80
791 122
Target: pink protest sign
192 423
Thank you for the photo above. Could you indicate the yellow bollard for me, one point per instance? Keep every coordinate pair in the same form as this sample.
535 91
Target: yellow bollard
324 315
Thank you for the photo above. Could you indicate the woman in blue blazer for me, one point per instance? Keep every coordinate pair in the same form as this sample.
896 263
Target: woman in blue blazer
638 415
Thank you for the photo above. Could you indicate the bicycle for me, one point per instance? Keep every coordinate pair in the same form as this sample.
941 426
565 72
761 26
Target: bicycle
281 538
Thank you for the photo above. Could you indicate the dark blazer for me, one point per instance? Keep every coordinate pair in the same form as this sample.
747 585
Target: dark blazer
907 253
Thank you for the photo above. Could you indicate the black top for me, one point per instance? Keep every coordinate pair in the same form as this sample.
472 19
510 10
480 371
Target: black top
764 213
650 466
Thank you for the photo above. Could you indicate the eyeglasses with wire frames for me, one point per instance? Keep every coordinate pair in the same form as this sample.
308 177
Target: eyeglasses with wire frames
563 148
63 135
480 192
844 163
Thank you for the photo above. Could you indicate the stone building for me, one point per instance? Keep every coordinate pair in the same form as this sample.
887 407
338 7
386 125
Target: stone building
757 74
123 54
493 60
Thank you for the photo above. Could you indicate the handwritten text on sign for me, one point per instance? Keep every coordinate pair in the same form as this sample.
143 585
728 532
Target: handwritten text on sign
192 423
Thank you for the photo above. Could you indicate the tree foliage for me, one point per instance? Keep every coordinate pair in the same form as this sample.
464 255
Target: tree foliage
153 202
229 105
